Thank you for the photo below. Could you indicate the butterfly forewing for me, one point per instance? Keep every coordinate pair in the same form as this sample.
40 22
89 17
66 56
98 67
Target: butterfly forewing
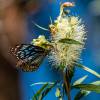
29 56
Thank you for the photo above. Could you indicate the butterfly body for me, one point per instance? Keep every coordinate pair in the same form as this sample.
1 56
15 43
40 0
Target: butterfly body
29 56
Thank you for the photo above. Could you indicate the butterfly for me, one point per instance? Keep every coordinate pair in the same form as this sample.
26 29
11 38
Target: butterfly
29 56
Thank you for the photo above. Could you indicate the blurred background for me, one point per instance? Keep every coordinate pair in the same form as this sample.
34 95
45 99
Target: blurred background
17 19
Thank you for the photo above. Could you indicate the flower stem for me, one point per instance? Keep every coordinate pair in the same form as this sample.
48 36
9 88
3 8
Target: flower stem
67 84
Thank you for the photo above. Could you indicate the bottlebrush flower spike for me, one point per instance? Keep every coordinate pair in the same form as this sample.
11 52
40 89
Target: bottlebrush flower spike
71 29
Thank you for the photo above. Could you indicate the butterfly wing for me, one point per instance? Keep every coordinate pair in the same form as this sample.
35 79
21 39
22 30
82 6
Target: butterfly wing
29 56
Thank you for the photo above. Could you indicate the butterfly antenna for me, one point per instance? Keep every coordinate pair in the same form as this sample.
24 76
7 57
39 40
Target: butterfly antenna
45 29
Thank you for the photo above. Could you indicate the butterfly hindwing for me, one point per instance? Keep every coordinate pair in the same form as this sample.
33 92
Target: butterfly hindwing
29 56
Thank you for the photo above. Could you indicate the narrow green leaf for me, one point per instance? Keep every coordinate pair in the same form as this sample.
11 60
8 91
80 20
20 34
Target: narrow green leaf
39 91
96 83
89 70
41 27
70 41
80 80
88 87
80 94
58 92
41 83
83 93
46 91
51 22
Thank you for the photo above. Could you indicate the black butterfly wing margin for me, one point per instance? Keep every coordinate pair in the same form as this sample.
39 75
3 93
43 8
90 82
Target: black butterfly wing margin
29 56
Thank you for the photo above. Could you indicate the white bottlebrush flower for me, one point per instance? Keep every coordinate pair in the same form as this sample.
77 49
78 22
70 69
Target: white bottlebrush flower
67 39
72 29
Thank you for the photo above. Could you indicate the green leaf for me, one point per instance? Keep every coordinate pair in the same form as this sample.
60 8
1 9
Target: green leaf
46 91
41 83
88 87
58 92
51 22
39 91
80 80
89 70
80 94
41 27
83 93
70 41
96 83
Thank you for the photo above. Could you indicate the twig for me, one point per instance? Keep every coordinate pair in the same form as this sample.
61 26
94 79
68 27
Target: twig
67 84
